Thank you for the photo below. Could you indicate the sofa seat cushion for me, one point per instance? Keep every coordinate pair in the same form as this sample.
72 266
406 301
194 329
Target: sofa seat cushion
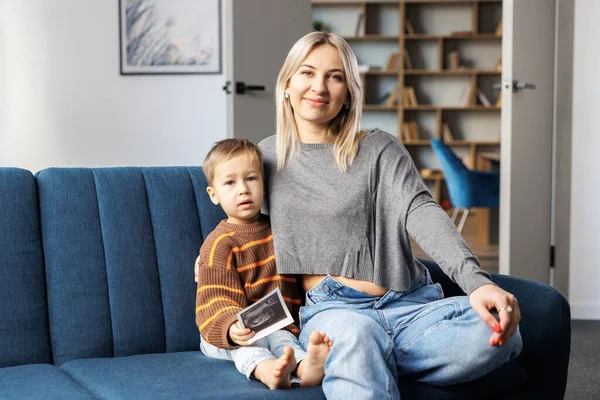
498 384
184 375
39 381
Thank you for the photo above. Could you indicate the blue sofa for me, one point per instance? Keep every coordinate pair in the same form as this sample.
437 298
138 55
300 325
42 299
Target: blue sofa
97 296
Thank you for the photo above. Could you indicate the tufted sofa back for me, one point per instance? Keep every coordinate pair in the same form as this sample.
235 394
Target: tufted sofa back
24 335
119 246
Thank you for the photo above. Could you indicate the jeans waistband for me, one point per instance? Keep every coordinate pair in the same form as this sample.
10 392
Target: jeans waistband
329 286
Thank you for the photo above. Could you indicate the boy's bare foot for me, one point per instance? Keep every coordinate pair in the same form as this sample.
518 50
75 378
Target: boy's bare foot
311 369
276 373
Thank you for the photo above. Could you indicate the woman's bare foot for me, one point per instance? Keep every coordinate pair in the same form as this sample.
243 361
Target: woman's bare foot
311 369
276 373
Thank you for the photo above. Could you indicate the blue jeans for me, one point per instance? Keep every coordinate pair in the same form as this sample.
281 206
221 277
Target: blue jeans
415 334
246 358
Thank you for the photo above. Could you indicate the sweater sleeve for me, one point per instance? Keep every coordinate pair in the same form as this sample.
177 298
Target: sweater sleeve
424 219
220 295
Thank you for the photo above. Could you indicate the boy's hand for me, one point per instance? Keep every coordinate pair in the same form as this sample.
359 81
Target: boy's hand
240 336
197 269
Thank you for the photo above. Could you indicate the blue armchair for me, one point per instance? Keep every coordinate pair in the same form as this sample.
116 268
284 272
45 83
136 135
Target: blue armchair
467 188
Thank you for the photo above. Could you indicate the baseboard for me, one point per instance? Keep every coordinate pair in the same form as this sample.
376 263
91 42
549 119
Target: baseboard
585 311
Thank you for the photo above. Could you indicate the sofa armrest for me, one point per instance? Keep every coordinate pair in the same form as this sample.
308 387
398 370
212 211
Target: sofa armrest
545 328
546 331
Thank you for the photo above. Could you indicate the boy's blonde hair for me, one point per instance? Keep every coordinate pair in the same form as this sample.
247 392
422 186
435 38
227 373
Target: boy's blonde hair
225 150
346 126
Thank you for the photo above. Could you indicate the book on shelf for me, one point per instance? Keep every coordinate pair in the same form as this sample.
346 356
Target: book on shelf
447 133
499 28
409 28
363 68
391 100
483 98
406 59
410 131
461 33
467 96
360 25
392 64
409 93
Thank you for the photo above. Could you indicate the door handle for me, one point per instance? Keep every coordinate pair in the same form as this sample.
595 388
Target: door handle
227 88
516 86
241 88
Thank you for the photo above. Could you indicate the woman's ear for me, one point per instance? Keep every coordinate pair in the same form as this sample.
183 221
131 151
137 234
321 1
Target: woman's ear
212 195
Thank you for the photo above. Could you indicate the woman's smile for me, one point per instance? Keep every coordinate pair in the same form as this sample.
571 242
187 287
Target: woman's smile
317 102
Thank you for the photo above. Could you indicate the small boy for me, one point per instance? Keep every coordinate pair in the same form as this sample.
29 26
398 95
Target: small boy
237 267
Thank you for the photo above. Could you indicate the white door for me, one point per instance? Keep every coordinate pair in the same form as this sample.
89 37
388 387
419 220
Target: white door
263 33
527 136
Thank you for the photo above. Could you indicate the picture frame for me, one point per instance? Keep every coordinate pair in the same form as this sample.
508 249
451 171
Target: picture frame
170 37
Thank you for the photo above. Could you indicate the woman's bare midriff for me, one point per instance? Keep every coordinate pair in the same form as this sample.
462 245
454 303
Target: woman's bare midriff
310 281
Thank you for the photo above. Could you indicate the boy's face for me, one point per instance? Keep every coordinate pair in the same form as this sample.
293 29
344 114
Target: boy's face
239 188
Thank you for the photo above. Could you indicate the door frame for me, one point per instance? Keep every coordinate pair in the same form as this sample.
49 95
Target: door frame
563 111
560 224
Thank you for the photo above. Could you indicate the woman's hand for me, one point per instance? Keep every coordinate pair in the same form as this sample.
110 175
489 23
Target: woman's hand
488 297
240 336
197 269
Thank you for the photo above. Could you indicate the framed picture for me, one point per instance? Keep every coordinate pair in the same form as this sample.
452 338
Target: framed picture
170 36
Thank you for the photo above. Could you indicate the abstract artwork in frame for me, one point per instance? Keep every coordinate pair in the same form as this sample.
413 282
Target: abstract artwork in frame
170 36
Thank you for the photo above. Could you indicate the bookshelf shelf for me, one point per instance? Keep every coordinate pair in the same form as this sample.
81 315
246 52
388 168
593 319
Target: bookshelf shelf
432 65
377 107
424 36
451 72
371 37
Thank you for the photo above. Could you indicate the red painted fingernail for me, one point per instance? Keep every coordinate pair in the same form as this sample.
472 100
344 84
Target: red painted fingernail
501 343
496 327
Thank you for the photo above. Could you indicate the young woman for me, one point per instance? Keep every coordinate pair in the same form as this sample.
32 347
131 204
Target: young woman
342 204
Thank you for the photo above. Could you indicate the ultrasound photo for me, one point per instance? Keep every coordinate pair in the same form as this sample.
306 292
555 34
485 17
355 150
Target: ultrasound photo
266 316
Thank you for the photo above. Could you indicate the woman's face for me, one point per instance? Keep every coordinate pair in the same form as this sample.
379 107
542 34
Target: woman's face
318 89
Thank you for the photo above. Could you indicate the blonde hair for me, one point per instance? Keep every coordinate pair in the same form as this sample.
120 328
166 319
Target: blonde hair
346 126
225 150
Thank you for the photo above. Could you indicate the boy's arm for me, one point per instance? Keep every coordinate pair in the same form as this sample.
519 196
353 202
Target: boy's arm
220 296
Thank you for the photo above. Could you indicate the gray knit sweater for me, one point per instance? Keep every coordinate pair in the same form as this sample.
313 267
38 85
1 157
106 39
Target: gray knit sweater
357 223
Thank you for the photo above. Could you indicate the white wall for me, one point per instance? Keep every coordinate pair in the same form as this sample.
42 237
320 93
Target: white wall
584 277
64 103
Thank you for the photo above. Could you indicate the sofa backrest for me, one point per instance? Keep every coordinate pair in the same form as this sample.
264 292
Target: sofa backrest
119 246
24 335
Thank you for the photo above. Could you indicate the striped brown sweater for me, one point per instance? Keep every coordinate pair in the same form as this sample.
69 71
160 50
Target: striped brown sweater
237 268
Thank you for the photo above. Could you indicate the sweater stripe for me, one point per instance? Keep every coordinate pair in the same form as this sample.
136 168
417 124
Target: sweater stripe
244 247
213 301
209 320
270 279
206 287
256 264
214 246
293 301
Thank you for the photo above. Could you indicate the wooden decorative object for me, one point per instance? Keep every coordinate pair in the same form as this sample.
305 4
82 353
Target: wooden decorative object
453 58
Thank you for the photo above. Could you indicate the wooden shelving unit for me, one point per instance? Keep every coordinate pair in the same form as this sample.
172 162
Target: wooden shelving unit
448 54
